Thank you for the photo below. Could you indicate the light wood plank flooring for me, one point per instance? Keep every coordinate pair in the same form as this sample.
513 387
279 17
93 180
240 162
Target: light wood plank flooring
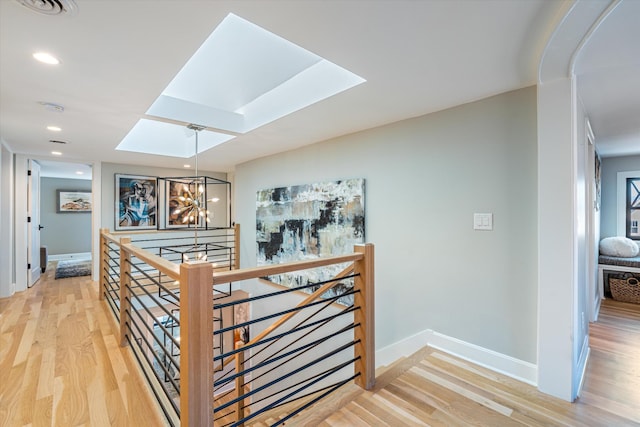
60 363
436 389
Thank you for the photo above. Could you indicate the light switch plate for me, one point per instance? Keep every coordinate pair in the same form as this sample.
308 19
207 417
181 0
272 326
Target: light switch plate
483 221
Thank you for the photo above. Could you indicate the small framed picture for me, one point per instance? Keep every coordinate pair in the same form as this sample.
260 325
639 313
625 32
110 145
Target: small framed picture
135 202
73 201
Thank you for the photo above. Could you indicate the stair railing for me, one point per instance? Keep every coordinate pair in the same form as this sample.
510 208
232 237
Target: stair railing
278 374
151 287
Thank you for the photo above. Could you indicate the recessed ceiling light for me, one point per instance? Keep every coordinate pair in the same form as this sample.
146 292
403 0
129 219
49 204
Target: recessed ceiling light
54 128
47 58
187 166
56 153
79 173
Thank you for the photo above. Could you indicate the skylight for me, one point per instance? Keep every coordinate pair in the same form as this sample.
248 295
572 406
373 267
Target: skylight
243 77
168 139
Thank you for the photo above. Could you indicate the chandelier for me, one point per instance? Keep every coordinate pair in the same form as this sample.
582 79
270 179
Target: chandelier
194 207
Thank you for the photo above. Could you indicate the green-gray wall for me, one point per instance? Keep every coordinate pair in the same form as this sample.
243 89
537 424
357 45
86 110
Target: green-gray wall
610 168
425 178
63 233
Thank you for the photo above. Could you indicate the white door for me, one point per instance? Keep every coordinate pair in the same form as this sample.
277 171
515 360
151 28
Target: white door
33 222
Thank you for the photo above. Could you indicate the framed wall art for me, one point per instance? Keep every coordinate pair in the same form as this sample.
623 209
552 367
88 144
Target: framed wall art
135 202
309 221
73 201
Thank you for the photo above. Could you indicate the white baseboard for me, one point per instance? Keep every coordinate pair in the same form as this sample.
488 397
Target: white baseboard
406 347
596 310
582 363
64 257
515 368
10 292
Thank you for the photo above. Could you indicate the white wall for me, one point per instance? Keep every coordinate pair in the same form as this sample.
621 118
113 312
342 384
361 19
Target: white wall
7 240
425 177
556 187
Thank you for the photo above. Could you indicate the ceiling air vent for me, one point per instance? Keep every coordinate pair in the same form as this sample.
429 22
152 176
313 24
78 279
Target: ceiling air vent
51 7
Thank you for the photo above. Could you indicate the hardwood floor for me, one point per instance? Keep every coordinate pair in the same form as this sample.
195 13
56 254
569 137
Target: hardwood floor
60 365
437 389
612 382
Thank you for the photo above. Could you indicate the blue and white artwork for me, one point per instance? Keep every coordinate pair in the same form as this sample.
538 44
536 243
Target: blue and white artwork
305 222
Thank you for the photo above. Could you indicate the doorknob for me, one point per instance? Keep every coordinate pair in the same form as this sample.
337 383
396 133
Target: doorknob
40 227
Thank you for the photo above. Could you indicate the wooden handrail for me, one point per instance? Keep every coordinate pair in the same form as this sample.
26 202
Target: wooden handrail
275 325
269 270
167 267
110 237
163 265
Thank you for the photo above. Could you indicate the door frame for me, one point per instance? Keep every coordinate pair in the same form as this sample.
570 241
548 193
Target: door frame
21 197
21 200
33 226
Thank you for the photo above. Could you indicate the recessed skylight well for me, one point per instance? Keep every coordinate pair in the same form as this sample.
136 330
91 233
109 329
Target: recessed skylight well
243 77
168 139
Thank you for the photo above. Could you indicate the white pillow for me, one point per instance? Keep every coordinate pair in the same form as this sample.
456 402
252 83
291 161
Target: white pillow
619 246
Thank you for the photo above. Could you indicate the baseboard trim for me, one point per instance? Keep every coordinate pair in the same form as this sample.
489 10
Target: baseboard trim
515 368
405 347
582 363
12 290
596 311
64 257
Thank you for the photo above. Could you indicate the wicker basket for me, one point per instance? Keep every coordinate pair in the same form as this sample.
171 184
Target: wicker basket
626 290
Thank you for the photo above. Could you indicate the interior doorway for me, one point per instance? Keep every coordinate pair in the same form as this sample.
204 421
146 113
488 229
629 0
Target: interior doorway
66 210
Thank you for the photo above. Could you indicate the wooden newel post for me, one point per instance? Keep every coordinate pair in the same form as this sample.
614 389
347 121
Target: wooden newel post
125 282
104 259
365 316
240 385
236 249
196 344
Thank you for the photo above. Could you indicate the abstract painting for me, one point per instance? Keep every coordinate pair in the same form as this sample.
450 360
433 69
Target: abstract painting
135 202
304 222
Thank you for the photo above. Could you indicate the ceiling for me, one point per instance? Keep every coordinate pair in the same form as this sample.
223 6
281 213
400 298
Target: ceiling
417 57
